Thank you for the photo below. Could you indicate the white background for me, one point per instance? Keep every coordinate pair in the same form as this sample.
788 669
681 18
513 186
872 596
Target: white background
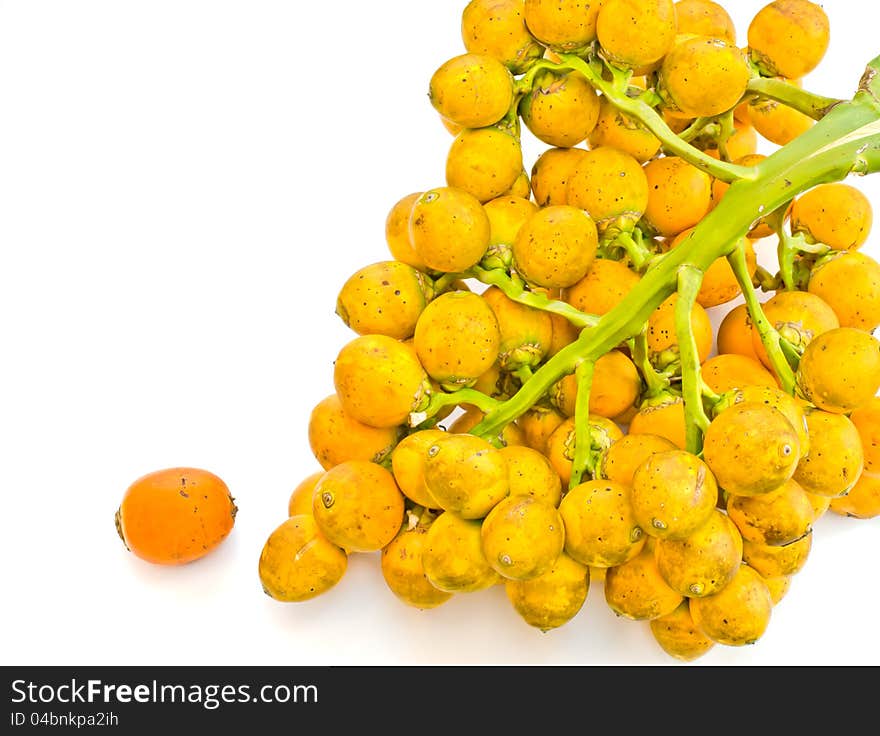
184 186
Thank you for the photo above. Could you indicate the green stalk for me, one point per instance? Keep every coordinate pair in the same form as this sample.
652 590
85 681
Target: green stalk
770 337
690 279
845 140
648 116
515 290
638 254
583 456
655 383
440 400
816 106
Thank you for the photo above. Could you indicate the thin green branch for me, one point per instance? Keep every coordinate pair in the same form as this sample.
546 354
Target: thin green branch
582 463
769 335
648 116
655 383
440 400
690 278
515 290
813 105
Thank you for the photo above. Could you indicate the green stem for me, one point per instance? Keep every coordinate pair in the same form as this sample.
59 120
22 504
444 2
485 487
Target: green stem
846 139
648 116
727 131
690 278
816 106
695 129
445 282
768 333
767 281
440 400
655 383
582 461
515 290
638 254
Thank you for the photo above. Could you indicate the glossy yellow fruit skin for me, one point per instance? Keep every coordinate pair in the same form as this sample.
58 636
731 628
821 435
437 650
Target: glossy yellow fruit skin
739 613
561 110
615 387
485 163
703 77
778 587
600 525
298 563
863 499
789 37
734 336
457 338
858 305
679 195
636 33
553 599
358 506
777 518
637 591
837 215
790 407
615 129
840 370
408 466
611 186
866 419
551 172
497 28
751 448
556 247
726 372
522 537
449 229
526 332
620 461
673 494
679 636
472 90
603 288
506 216
466 475
836 458
379 381
300 501
452 556
563 25
530 473
778 123
404 573
665 419
704 18
776 561
384 298
705 561
537 425
335 437
397 232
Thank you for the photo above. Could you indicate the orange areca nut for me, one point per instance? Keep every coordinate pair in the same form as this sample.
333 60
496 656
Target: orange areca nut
175 516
